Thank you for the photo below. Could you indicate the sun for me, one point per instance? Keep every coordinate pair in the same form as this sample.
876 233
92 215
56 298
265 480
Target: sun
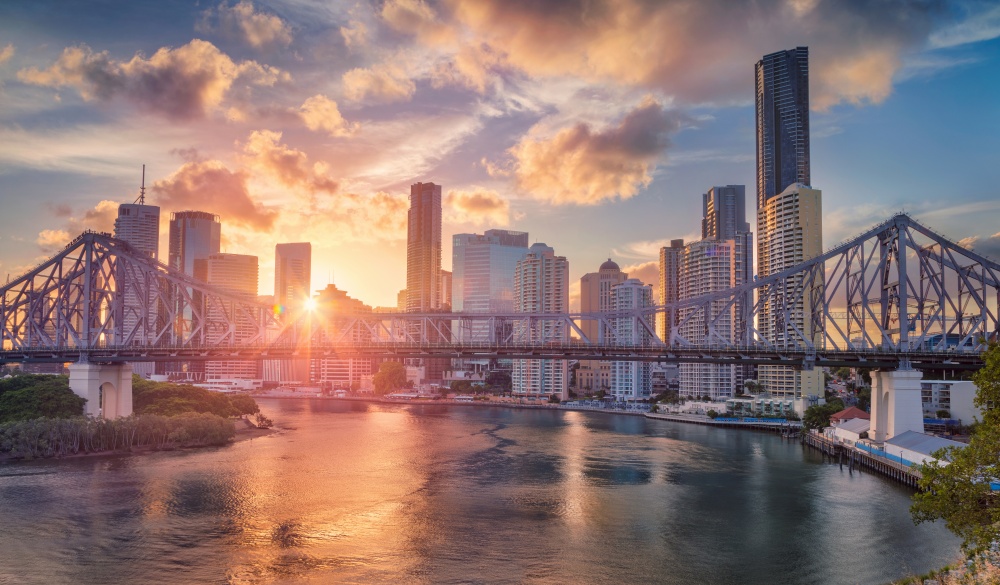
310 304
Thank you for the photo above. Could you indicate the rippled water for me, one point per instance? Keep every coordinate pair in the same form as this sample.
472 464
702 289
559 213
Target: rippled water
364 493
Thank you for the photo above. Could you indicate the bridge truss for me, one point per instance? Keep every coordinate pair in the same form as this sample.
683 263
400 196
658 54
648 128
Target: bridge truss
896 293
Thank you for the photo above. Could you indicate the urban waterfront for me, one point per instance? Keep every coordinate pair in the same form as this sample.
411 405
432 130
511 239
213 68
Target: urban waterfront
364 492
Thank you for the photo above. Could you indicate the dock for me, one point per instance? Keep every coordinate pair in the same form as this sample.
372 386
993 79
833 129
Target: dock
856 458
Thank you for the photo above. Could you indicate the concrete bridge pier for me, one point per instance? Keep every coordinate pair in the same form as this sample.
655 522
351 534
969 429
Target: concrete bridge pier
896 403
107 388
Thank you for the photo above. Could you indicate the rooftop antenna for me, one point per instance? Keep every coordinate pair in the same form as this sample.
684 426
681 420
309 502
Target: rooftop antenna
142 190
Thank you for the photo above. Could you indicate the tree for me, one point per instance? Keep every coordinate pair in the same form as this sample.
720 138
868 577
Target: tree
818 417
391 376
712 414
34 396
843 373
943 413
461 386
959 493
864 398
752 387
500 380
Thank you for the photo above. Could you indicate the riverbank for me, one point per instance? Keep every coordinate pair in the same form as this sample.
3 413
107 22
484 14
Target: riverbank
243 430
984 569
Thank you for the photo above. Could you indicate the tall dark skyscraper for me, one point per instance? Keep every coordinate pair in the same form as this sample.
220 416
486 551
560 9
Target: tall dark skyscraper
782 122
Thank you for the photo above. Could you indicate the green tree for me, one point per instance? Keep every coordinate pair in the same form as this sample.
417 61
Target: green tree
865 398
29 397
843 373
712 414
391 376
500 380
818 416
461 386
959 493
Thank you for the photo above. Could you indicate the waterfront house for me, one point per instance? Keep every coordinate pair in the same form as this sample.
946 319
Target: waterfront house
850 432
849 413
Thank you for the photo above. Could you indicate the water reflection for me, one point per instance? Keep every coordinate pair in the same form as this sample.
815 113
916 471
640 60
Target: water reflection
357 492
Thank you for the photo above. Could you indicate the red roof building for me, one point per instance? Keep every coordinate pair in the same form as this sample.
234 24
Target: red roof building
847 414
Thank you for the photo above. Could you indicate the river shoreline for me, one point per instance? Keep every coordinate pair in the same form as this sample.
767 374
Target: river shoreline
244 432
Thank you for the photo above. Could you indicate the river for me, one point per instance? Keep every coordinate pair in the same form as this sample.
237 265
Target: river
349 492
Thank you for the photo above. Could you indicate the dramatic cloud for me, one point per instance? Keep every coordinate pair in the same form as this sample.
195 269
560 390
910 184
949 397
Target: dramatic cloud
241 21
182 83
100 218
210 186
6 53
582 166
265 154
320 113
479 207
674 46
382 83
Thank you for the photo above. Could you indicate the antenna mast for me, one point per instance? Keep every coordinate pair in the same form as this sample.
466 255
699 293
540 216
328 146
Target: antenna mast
142 190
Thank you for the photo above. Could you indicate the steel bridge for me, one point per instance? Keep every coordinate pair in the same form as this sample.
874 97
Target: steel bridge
896 295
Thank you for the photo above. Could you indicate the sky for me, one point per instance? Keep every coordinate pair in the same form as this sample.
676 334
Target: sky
593 125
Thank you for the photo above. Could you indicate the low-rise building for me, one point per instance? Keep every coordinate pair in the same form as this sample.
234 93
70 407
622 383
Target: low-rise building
955 396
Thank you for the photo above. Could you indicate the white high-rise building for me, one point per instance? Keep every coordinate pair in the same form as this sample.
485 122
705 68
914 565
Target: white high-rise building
632 381
139 225
541 285
709 266
790 231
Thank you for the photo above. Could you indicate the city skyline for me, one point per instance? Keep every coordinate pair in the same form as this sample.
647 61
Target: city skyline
311 126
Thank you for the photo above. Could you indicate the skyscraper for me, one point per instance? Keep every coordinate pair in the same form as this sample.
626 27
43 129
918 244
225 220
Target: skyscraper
333 308
423 248
423 267
193 236
782 99
709 266
237 274
595 297
483 277
139 225
670 270
632 381
790 229
292 274
541 285
724 212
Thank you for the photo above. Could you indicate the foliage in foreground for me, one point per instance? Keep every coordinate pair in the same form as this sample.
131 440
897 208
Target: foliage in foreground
45 437
169 399
959 493
29 396
818 417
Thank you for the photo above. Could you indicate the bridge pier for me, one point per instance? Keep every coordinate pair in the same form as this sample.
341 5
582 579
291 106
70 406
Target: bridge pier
896 403
107 388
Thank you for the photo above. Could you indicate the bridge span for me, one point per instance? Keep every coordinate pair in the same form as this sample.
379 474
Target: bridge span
896 297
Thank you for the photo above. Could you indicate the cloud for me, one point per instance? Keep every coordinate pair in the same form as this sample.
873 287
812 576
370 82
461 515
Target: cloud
100 218
673 46
320 113
51 241
474 66
182 83
981 26
478 206
265 154
242 22
647 272
989 247
416 17
6 53
209 186
355 36
582 166
383 82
